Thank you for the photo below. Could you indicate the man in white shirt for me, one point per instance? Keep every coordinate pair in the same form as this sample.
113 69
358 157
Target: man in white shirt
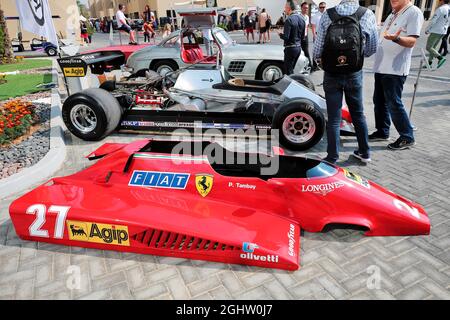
391 67
315 20
305 42
123 25
437 30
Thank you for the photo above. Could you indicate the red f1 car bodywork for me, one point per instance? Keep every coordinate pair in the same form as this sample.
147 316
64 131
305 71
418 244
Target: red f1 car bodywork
139 197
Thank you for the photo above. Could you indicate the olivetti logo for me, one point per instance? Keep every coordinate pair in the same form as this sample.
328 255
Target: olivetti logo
37 8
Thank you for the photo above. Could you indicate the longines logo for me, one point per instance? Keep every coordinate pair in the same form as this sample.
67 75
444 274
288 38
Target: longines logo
37 8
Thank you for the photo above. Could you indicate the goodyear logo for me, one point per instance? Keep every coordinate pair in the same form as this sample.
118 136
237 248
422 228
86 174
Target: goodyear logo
155 179
98 232
74 72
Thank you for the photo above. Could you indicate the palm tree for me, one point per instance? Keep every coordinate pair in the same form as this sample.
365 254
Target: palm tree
6 52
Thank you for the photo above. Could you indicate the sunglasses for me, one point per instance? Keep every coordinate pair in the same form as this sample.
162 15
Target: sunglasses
321 7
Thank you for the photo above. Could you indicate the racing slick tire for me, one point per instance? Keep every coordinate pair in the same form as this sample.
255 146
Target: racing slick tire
91 114
125 101
270 70
301 125
303 80
164 66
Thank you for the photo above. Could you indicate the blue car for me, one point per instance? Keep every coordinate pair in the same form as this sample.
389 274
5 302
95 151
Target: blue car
49 48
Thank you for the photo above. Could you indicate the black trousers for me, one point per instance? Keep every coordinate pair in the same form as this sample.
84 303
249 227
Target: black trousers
291 56
444 44
305 48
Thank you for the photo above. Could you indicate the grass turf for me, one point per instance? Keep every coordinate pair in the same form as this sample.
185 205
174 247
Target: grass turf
25 64
22 84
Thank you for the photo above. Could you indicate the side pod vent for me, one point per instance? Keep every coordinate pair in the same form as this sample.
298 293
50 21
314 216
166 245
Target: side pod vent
175 241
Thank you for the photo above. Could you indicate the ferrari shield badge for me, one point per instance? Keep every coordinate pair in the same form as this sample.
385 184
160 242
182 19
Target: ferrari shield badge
204 183
356 178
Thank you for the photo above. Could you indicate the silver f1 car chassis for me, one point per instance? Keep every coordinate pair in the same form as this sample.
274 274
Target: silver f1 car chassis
199 96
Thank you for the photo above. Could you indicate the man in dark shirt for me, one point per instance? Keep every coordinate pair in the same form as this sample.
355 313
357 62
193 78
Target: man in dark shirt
294 31
249 25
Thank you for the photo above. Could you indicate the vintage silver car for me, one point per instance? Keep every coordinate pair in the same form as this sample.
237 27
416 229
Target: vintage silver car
243 61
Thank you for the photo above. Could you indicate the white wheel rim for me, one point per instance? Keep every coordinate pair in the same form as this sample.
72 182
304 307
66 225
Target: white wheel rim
163 70
83 118
299 127
270 72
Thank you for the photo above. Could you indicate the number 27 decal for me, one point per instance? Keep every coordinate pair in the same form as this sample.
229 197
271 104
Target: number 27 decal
40 211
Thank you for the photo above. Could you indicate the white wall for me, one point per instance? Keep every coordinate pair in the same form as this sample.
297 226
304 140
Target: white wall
274 8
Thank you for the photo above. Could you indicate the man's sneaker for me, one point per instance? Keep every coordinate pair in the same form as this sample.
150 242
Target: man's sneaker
441 62
360 156
376 136
401 144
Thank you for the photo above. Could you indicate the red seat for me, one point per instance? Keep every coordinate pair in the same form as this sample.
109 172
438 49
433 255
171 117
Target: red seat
192 53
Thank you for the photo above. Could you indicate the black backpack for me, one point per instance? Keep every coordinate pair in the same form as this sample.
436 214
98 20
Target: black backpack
343 47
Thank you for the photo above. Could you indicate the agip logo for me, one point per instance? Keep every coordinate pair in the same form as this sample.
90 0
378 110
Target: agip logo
204 183
98 233
77 72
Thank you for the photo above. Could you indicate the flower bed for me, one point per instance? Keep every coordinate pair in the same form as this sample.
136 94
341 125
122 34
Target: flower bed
16 118
30 148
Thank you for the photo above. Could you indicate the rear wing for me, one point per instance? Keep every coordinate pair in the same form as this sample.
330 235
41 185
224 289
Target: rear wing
98 62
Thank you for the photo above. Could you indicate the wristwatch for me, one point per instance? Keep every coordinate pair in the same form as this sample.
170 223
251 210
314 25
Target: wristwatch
396 40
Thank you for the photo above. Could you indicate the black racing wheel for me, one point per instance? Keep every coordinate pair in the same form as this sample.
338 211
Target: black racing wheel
301 125
91 114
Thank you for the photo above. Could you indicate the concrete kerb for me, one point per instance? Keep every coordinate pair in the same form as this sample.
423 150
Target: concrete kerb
54 158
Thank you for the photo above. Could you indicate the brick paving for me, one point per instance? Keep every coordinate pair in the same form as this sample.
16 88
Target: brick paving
334 265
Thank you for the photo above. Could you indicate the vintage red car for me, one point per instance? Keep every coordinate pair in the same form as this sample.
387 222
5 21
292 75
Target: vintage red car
198 200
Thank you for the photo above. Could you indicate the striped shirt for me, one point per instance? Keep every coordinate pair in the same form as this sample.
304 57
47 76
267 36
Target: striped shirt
368 26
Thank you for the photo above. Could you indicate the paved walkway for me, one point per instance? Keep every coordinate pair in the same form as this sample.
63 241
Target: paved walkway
335 265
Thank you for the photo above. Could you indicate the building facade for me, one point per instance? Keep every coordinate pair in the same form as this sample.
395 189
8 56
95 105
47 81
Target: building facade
162 8
66 19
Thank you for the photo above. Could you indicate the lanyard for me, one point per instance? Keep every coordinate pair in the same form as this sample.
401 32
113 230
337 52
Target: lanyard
396 15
